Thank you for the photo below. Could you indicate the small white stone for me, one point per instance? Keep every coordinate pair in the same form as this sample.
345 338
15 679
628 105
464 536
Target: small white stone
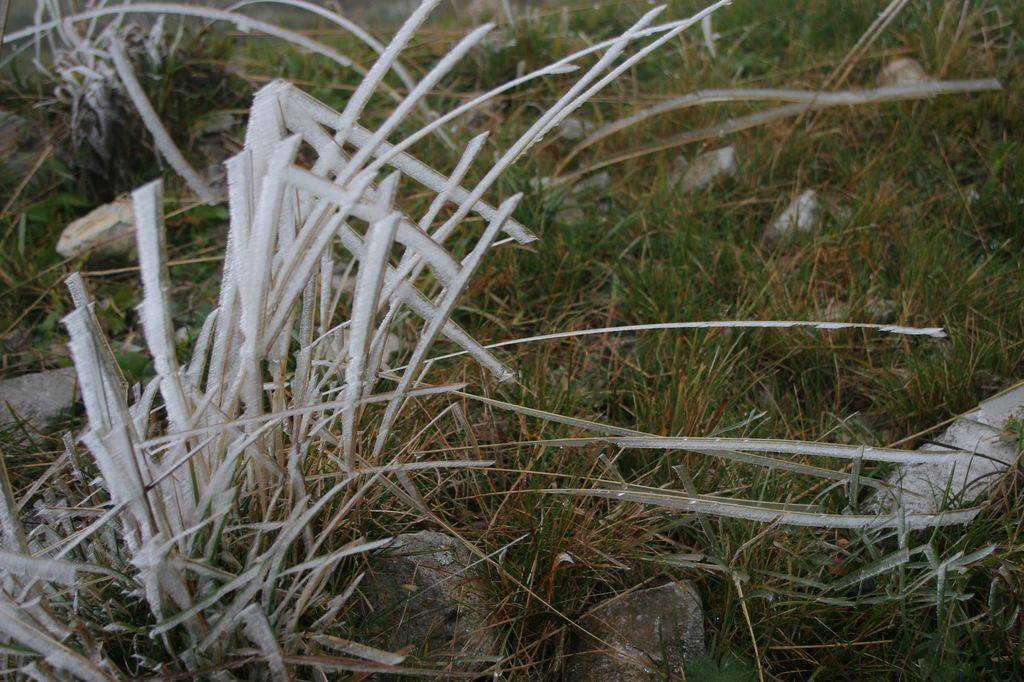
881 309
803 215
106 231
679 166
392 344
709 168
902 71
594 183
217 124
573 129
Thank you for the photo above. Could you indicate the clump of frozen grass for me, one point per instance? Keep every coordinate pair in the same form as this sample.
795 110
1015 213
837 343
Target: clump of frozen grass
93 54
209 530
92 66
205 544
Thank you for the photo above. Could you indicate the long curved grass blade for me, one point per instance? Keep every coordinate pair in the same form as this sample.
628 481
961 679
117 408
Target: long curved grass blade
434 325
156 128
934 332
340 20
918 91
751 512
815 98
241 21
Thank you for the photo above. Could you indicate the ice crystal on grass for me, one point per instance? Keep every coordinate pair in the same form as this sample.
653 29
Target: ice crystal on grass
208 519
93 56
215 520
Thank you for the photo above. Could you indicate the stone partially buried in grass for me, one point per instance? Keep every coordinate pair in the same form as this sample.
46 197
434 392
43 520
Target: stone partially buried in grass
587 194
107 231
930 488
424 593
902 71
708 169
652 634
575 129
803 215
43 399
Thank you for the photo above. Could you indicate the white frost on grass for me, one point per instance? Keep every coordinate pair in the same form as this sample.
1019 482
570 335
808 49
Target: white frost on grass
221 444
224 503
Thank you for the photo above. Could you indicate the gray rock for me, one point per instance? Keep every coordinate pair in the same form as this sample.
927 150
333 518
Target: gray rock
572 208
678 170
902 71
598 182
425 594
573 129
651 632
927 488
108 230
881 310
708 169
43 399
876 310
803 215
218 123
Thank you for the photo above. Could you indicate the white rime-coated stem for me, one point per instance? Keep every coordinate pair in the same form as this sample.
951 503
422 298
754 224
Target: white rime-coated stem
55 653
12 533
708 32
361 96
156 128
818 98
790 518
563 65
410 166
243 22
258 629
239 170
919 91
257 268
367 148
434 325
155 313
342 21
364 307
530 136
933 332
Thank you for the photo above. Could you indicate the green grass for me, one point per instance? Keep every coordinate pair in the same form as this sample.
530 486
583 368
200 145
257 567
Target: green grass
645 253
